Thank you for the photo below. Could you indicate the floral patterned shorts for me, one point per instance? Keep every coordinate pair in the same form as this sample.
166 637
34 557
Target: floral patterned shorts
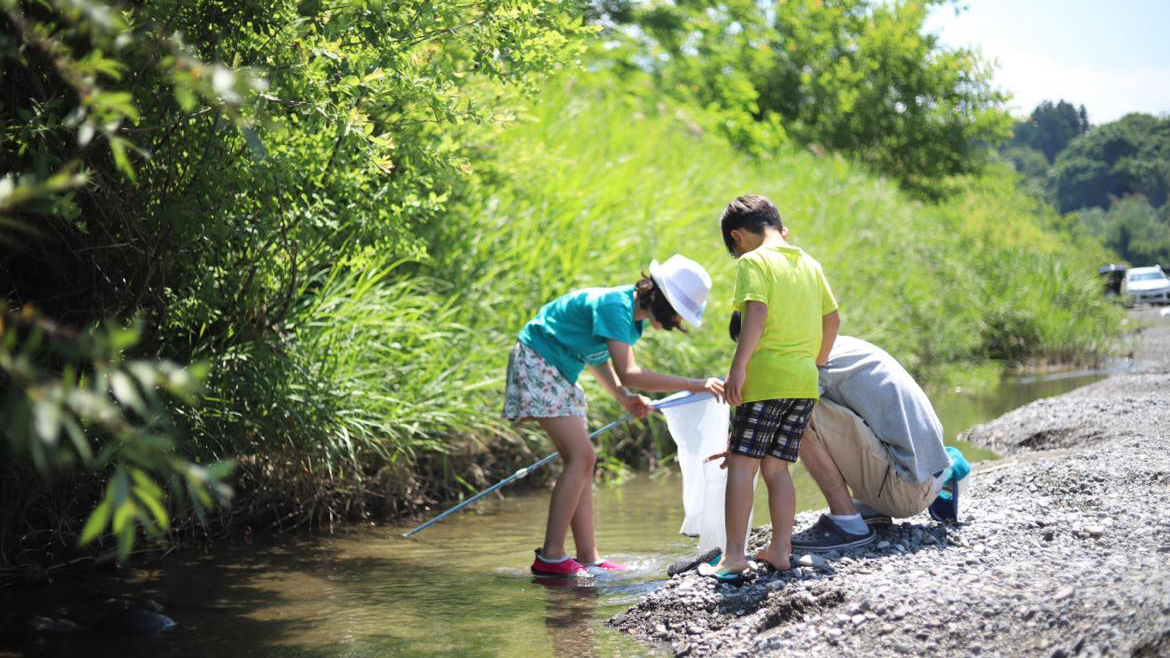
536 389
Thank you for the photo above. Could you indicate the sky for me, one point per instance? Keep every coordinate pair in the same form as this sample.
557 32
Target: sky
1112 56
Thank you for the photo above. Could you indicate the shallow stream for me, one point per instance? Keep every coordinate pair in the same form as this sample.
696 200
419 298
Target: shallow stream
461 588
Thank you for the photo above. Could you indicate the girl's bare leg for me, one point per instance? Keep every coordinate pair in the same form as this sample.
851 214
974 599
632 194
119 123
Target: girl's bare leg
571 437
582 525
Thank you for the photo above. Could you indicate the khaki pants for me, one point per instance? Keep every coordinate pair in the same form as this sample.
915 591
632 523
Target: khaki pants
864 462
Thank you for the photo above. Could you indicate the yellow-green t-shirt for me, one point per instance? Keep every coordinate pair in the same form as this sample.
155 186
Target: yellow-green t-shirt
793 286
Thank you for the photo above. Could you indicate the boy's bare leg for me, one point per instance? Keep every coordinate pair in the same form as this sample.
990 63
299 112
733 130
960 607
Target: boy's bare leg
571 437
782 506
737 508
824 471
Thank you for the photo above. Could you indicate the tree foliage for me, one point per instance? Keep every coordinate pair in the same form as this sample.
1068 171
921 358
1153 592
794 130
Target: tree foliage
205 165
327 205
1113 179
73 398
1130 156
855 76
1050 128
1137 231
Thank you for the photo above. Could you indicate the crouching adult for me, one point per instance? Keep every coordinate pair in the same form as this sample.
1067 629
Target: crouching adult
874 446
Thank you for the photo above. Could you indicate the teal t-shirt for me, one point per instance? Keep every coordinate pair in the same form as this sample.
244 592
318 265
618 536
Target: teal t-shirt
574 329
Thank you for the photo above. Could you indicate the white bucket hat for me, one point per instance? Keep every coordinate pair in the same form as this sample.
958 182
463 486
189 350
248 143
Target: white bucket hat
685 284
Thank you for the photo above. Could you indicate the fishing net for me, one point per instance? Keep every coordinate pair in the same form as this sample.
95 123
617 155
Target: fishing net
699 429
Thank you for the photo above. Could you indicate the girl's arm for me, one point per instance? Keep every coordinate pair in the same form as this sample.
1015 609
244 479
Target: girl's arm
830 325
637 405
627 370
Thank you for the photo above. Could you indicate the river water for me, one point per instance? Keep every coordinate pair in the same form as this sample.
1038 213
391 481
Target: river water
460 588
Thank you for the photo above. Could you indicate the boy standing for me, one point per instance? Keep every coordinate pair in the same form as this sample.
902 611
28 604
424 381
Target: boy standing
789 324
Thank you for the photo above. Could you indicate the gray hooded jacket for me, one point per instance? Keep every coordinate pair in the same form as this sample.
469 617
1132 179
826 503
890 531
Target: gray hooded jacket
867 380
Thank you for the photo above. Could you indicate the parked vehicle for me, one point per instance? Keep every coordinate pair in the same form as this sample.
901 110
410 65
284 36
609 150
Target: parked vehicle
1113 275
1146 285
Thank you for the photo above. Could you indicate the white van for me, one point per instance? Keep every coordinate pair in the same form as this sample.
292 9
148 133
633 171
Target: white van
1146 285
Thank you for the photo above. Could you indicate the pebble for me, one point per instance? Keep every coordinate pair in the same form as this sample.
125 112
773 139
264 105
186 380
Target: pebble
1063 593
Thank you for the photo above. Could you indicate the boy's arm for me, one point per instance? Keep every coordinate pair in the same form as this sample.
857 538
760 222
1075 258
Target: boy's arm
751 328
830 325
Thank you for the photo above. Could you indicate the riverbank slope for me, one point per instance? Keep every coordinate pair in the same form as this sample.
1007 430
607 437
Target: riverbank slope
1063 549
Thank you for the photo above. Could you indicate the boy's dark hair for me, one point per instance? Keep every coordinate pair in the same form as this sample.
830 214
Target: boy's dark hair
748 212
733 326
652 299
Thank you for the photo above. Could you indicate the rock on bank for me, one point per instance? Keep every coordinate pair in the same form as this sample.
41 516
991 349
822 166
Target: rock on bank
1059 553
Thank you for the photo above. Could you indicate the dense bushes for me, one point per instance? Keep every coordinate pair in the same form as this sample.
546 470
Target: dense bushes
217 184
346 229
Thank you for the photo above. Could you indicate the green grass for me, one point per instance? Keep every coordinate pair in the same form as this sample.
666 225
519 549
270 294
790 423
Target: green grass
394 381
599 183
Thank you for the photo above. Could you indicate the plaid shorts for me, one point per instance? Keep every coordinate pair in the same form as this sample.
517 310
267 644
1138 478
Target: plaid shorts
770 427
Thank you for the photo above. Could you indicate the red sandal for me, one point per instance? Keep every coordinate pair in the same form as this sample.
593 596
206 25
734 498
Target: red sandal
604 566
567 567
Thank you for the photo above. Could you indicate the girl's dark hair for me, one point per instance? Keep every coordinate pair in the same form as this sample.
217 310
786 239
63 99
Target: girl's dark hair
652 299
733 326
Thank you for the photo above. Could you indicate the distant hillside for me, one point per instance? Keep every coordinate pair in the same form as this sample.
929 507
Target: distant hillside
1113 179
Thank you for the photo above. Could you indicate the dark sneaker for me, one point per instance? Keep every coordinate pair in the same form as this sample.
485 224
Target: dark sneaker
945 508
826 535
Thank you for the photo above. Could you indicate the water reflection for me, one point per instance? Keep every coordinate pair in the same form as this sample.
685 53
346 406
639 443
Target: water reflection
569 614
961 408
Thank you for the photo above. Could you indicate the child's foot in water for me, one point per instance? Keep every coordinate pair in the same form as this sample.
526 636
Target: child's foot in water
601 567
564 566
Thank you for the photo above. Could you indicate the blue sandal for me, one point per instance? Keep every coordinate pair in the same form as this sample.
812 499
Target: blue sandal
730 577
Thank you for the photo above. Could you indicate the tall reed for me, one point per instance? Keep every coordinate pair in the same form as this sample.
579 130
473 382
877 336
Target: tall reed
393 381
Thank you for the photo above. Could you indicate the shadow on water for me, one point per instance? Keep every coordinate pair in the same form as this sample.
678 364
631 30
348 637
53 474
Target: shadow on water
462 588
310 601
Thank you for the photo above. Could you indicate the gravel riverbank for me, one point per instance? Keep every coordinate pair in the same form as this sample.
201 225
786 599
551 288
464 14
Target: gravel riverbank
1063 549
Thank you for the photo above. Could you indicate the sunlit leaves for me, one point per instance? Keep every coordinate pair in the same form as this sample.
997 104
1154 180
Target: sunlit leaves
115 416
214 158
855 76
